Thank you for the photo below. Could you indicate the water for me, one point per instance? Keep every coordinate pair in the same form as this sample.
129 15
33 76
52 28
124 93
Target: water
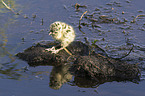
18 32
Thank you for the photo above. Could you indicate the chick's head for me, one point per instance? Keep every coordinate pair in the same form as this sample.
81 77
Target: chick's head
62 32
56 30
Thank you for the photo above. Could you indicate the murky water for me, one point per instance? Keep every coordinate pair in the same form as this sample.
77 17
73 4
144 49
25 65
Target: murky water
18 32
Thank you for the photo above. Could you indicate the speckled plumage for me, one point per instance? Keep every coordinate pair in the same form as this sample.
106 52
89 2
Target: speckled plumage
63 33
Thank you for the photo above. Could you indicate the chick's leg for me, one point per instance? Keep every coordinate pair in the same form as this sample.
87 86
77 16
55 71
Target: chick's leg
53 50
67 51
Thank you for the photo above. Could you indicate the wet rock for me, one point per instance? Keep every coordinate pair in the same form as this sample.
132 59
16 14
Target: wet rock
94 65
37 55
97 67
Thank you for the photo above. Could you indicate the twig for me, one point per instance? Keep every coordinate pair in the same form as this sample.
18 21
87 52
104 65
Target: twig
77 6
126 54
96 66
42 21
80 21
82 16
8 7
96 46
81 30
133 21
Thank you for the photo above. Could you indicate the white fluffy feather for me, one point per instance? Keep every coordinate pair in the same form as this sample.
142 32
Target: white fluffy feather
63 33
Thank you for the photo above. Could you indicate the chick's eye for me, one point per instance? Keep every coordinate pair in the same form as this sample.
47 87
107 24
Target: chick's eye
51 30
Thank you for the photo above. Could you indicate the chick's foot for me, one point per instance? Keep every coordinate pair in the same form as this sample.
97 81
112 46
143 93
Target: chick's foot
53 50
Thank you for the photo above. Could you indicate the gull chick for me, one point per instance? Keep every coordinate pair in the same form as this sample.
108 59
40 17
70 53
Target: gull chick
63 33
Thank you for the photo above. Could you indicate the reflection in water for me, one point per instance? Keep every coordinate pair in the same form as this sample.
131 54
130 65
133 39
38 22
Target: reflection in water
3 50
10 71
7 68
59 76
6 58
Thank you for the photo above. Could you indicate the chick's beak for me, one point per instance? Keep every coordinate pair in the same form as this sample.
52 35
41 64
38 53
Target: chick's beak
50 33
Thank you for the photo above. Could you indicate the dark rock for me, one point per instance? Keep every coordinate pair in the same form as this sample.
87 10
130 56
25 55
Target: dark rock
37 55
94 65
103 68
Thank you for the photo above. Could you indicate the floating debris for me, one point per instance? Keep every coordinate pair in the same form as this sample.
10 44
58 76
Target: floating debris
77 6
133 21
